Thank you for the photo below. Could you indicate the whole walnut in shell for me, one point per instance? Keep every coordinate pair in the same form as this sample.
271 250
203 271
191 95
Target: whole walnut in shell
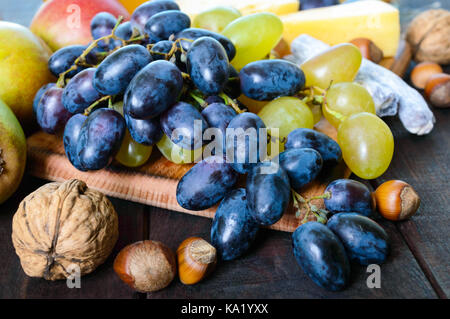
62 224
429 36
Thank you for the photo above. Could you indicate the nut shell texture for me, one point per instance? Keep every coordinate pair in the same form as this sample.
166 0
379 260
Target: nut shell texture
61 224
146 266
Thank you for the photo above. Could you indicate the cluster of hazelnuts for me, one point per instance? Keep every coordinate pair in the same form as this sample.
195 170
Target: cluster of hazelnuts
430 77
148 266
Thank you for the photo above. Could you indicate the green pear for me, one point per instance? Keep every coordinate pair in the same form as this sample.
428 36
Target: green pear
23 69
13 152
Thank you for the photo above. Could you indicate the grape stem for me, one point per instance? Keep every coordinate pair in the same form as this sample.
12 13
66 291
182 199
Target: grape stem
299 201
81 60
173 50
229 101
88 110
198 99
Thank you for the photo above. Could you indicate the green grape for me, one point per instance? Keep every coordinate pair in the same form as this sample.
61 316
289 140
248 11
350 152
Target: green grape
345 99
254 36
316 110
175 153
131 153
286 114
338 64
216 19
367 144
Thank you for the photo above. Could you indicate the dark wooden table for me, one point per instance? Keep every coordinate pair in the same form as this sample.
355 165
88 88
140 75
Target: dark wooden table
418 266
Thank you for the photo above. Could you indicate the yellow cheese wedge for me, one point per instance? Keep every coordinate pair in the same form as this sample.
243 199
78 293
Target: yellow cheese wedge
375 20
278 7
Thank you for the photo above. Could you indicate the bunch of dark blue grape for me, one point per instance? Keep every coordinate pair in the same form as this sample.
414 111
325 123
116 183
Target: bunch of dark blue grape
152 75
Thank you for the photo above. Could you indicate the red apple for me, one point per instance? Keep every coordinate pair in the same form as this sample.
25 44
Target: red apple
64 22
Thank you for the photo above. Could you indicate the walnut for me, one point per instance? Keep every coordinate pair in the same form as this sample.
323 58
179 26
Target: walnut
62 224
429 37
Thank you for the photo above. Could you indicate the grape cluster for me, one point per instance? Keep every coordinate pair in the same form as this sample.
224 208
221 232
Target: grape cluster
155 80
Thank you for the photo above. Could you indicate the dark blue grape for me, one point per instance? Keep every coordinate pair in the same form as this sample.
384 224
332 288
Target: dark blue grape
311 4
268 193
233 86
70 139
349 196
208 66
194 34
146 132
178 123
145 11
80 92
124 31
51 115
233 229
163 47
266 80
364 240
214 99
39 94
303 165
205 184
101 26
242 147
306 138
95 55
219 115
100 139
321 255
64 58
162 25
153 90
115 72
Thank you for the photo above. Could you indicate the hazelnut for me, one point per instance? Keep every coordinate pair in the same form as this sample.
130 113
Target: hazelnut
146 266
196 259
422 72
396 200
428 36
281 49
437 90
368 49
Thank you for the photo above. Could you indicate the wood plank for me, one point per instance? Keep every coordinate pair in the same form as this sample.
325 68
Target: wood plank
423 162
102 283
269 269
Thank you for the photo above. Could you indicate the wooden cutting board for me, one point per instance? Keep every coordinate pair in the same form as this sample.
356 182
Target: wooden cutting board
155 183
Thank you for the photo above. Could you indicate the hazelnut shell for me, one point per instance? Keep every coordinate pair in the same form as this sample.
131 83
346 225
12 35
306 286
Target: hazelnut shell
422 73
396 200
368 49
146 266
437 90
196 259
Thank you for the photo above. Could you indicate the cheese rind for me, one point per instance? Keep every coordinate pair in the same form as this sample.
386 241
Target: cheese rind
375 20
278 7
